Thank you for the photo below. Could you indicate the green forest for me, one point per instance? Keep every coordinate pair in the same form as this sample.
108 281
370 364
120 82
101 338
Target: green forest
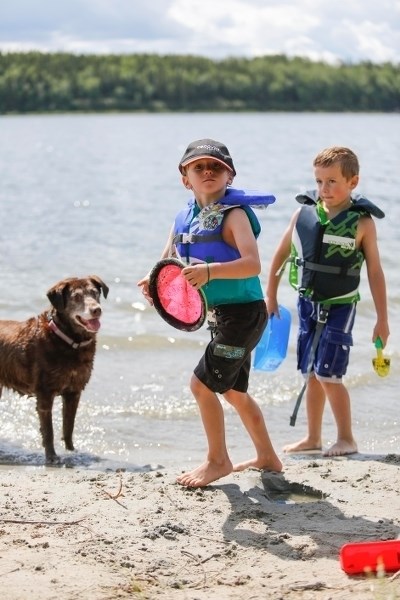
35 82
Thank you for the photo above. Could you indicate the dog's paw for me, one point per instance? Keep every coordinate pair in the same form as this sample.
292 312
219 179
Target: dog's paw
53 459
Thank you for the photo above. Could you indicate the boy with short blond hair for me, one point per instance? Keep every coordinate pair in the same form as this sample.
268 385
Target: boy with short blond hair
326 243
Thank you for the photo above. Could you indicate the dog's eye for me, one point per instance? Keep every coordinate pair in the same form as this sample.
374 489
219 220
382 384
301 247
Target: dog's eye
77 296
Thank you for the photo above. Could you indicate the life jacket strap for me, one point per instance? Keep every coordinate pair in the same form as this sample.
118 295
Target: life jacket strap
323 312
192 238
343 271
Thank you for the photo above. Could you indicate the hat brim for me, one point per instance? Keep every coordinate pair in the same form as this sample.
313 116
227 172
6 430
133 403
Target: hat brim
201 157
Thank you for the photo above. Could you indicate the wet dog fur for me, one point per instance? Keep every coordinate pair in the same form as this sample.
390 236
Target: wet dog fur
52 354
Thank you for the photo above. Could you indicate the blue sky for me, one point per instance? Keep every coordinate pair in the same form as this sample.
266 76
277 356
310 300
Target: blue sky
350 31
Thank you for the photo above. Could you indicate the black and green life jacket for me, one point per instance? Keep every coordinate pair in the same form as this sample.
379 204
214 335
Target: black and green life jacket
325 263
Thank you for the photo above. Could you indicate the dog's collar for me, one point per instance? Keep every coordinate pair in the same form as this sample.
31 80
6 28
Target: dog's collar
66 338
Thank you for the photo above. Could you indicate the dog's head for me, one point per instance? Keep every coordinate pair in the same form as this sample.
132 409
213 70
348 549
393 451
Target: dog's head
78 299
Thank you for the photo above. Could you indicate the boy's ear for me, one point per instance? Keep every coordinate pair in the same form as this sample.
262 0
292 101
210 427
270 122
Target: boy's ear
354 181
186 183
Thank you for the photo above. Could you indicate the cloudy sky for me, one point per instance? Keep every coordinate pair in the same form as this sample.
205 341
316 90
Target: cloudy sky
350 31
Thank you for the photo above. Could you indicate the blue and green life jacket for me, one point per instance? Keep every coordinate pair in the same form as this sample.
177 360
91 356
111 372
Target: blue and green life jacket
198 238
325 263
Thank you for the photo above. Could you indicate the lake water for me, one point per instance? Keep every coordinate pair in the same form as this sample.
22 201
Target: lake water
96 194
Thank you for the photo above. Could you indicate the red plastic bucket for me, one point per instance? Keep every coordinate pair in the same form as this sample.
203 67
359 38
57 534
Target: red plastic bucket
363 557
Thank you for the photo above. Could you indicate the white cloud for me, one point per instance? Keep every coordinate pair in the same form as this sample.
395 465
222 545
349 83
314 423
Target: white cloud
318 29
240 28
376 40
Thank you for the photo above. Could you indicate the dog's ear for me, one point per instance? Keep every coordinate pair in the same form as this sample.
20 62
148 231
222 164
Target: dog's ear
56 296
98 282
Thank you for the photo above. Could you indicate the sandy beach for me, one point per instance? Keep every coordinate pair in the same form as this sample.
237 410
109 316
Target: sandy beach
76 534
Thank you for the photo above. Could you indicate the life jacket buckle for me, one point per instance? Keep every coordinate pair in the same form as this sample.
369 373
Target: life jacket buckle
298 261
344 269
186 238
323 313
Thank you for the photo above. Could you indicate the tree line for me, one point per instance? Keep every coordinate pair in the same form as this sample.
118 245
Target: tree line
33 82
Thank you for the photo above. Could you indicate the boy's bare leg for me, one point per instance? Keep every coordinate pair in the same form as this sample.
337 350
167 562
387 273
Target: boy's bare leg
253 420
315 403
217 463
340 404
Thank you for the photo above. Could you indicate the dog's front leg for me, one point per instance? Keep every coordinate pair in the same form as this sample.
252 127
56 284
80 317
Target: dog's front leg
44 407
70 406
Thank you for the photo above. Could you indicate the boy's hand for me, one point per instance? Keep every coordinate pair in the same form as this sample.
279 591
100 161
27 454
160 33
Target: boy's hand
272 306
197 275
381 330
144 284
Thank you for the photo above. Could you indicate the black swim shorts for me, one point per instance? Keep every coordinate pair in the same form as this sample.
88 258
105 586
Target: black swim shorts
226 362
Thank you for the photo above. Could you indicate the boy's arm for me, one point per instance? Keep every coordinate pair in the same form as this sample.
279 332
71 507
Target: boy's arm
281 254
238 233
144 282
168 249
376 277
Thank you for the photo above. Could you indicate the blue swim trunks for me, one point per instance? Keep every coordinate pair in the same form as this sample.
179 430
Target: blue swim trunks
332 354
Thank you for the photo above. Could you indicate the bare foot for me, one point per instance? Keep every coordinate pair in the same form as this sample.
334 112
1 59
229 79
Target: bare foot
273 464
305 445
342 448
205 474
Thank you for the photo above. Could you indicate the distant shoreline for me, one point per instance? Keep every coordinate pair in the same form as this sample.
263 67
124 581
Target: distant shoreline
64 82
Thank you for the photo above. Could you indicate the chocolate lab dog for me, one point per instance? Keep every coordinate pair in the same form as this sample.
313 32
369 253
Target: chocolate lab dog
52 354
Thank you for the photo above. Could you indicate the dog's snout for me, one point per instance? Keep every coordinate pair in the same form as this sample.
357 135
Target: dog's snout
96 312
